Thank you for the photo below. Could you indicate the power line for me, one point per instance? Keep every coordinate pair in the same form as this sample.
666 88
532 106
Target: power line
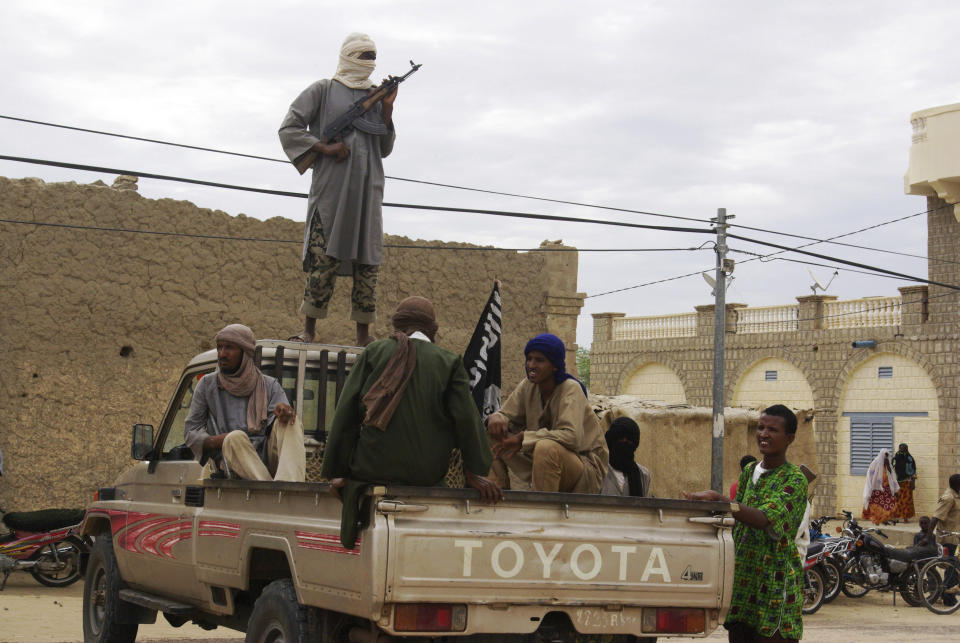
395 178
769 258
495 192
649 283
869 270
436 208
816 241
843 261
143 139
406 246
546 217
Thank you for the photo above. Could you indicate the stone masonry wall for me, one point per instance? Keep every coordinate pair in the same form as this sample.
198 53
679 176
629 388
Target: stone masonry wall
96 325
929 335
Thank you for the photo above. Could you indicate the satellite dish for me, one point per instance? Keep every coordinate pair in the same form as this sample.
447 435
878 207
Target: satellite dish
713 282
816 282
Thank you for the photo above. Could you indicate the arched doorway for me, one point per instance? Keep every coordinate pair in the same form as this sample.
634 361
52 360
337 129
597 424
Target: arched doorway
773 381
886 400
655 382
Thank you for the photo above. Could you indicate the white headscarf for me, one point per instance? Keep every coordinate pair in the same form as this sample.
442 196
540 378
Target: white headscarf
875 477
352 71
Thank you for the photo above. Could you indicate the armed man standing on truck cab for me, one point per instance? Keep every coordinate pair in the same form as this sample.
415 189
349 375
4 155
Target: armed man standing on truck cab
767 599
232 415
344 231
405 405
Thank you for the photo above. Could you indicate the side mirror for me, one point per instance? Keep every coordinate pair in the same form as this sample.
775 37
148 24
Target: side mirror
141 446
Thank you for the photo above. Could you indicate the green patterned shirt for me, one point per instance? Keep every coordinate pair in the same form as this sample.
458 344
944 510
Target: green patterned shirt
768 574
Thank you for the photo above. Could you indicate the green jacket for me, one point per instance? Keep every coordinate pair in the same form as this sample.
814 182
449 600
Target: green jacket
436 414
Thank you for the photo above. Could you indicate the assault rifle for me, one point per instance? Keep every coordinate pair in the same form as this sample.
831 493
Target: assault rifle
344 123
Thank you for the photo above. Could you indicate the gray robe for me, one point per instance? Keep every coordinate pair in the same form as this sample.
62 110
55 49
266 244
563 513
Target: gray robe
346 196
214 411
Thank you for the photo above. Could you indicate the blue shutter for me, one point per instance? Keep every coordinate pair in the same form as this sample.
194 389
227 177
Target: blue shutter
868 435
770 376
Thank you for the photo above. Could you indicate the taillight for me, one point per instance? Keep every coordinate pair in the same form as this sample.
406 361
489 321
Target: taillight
669 620
96 495
430 617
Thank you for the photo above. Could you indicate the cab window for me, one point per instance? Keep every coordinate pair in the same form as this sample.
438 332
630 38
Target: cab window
312 403
179 412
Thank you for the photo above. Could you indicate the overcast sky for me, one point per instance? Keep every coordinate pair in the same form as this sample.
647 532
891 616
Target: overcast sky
795 117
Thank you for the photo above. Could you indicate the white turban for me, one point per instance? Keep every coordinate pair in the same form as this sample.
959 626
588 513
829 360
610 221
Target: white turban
352 70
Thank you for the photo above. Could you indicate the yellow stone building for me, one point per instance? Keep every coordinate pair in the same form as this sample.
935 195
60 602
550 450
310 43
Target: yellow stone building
901 387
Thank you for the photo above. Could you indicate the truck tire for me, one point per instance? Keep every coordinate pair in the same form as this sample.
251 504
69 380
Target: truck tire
102 608
277 616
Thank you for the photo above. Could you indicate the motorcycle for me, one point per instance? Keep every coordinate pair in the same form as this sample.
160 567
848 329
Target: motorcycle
814 584
872 565
828 554
45 543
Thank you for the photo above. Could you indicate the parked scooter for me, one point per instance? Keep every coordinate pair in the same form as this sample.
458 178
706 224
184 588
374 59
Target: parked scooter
44 543
873 565
829 554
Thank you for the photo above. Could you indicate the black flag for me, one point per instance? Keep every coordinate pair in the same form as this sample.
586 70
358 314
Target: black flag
482 357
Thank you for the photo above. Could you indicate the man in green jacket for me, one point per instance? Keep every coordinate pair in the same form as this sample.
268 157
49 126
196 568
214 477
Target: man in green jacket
404 407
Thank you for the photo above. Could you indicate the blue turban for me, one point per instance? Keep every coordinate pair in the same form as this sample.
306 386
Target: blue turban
553 349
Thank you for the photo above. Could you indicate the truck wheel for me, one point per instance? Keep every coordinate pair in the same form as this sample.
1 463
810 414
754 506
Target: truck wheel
102 607
277 617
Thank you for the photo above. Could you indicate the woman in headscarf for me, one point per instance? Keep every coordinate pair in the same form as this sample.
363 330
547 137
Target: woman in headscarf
879 490
546 437
906 469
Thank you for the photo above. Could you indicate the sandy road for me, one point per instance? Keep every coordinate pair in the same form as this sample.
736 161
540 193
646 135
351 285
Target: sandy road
30 613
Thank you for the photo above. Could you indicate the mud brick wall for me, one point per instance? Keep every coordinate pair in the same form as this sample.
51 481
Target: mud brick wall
97 325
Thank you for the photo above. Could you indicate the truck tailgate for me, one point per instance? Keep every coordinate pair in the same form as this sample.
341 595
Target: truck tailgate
558 549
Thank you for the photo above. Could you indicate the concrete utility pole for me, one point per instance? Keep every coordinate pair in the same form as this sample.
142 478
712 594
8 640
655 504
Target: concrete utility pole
724 266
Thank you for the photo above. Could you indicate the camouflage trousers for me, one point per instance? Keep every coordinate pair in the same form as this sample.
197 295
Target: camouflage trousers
322 274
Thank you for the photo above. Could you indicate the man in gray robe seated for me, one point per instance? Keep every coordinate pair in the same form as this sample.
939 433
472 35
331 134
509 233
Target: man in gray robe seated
240 420
344 231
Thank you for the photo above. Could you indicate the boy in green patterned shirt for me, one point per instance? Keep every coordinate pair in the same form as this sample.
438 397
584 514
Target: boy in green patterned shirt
767 599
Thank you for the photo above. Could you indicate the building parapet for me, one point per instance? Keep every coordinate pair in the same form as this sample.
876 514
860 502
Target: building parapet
656 327
816 312
862 313
767 319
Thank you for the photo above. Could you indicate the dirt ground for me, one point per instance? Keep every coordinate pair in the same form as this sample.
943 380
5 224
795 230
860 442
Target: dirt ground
30 613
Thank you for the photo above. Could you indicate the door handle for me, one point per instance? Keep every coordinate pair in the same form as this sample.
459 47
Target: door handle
716 521
394 507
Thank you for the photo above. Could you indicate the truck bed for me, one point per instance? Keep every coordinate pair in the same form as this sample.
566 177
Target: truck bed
600 560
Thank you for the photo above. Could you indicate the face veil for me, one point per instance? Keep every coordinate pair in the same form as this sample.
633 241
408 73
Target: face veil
353 71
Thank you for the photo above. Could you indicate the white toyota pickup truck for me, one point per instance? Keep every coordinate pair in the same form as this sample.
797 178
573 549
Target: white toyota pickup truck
433 563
